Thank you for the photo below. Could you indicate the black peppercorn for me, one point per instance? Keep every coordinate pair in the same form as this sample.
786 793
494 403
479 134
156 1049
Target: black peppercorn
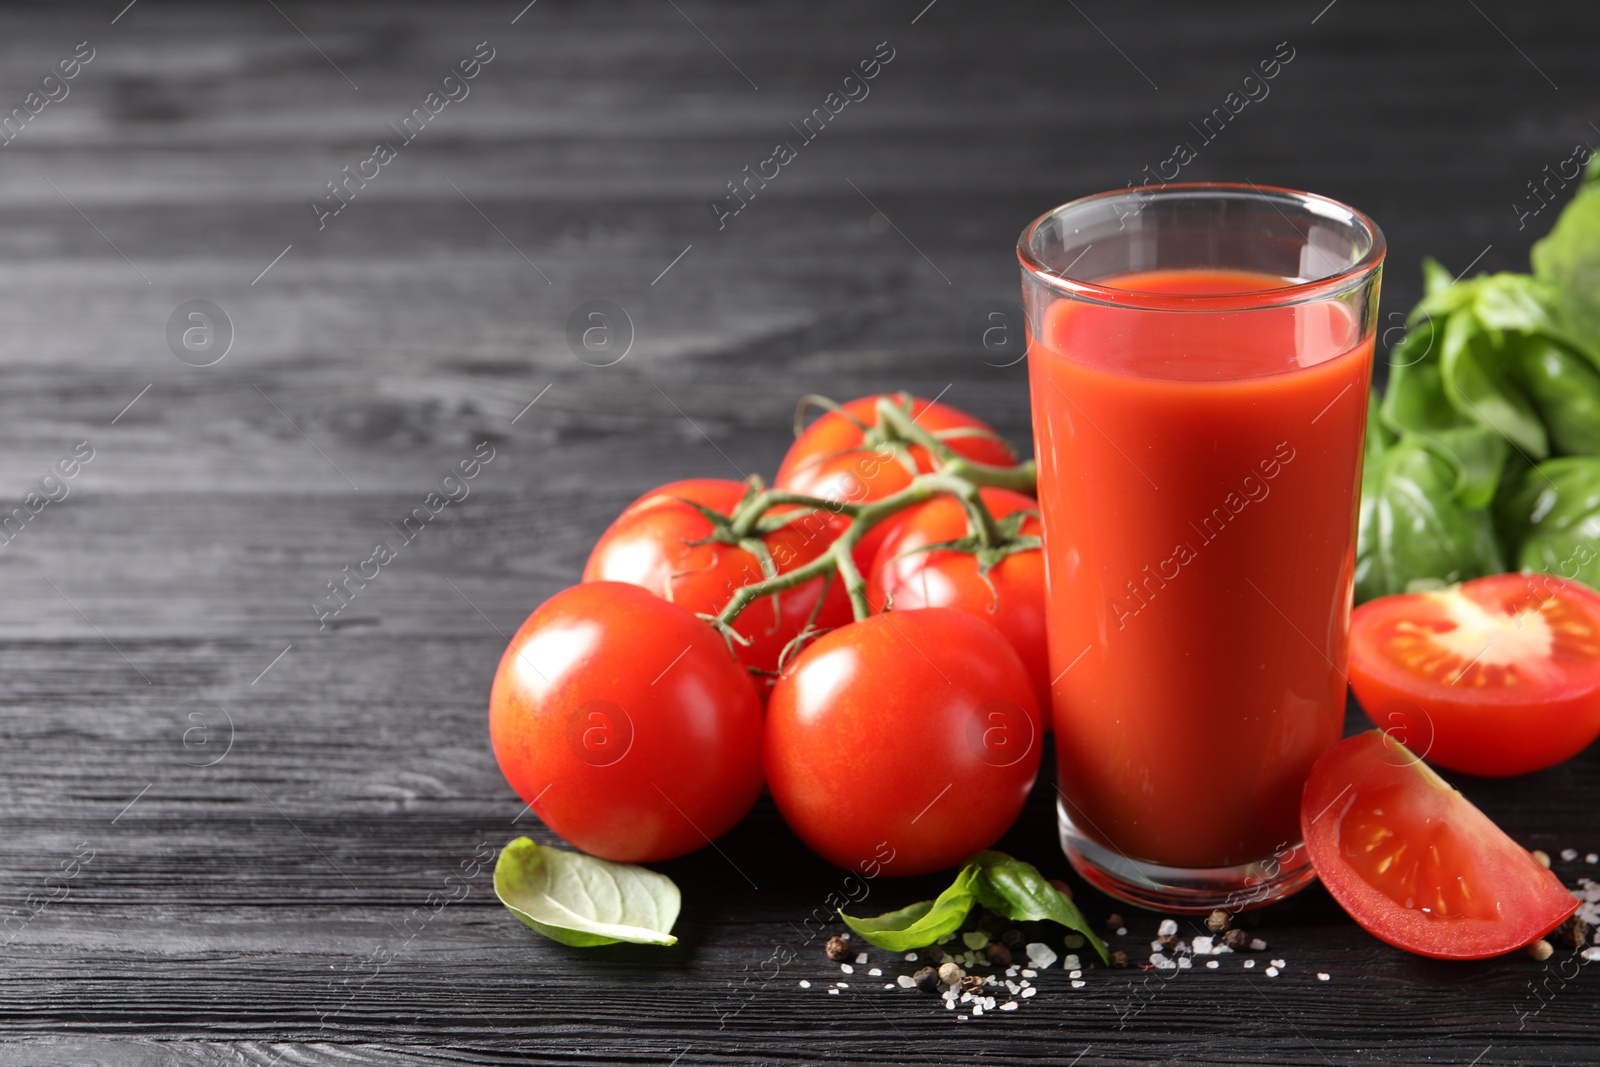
927 980
998 954
1236 939
837 949
1119 958
1011 938
933 955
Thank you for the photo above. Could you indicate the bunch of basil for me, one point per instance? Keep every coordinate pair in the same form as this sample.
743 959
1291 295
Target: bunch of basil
1484 454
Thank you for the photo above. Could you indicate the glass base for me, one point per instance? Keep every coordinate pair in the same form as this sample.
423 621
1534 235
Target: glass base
1185 890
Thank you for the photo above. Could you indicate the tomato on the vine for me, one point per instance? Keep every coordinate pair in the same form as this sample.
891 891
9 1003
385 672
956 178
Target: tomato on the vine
1415 863
903 743
665 544
1009 593
1498 676
846 456
626 724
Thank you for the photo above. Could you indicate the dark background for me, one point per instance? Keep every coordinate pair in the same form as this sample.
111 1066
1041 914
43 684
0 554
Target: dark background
273 905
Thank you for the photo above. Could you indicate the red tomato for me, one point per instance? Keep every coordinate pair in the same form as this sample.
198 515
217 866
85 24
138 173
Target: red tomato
835 459
1498 676
652 544
904 577
1415 863
626 724
904 743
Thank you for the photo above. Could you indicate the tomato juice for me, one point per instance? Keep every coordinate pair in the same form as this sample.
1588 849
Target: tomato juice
1199 469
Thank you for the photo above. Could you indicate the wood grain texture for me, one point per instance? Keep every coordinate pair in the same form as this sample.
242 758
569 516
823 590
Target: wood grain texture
259 893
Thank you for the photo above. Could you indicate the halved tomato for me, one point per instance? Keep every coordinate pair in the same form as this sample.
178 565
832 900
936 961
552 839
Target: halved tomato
1415 863
1496 677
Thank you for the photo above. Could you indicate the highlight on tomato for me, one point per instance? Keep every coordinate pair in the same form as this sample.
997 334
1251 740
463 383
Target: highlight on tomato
626 724
848 455
1497 676
1415 863
676 541
930 558
903 743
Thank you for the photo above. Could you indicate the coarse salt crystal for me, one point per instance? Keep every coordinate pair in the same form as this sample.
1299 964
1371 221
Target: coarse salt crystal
1073 941
1013 988
947 938
875 972
966 998
846 968
1272 972
1201 946
1075 973
1217 950
1122 931
1168 928
1257 945
961 1018
1157 946
977 1009
1009 1005
1071 963
951 994
1593 857
1166 965
911 957
975 939
1569 854
1591 953
1158 958
861 957
905 981
1040 954
1184 963
1322 976
834 992
804 984
1079 985
1029 972
950 1005
1030 991
1011 971
1213 964
888 985
1279 964
1249 963
842 985
845 935
989 1003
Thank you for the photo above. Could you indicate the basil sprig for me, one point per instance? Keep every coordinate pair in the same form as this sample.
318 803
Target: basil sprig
1001 883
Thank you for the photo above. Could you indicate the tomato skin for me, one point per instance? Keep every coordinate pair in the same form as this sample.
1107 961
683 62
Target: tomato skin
1372 811
1013 599
674 757
903 743
1490 729
830 459
649 546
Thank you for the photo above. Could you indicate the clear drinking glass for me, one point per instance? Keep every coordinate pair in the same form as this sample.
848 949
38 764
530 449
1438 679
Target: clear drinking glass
1199 361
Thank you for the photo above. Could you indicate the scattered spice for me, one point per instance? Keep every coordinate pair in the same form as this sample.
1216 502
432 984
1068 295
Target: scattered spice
1541 949
1113 921
1574 933
927 980
1061 887
837 949
933 955
950 974
1168 943
971 983
990 923
1119 959
1542 856
1011 938
998 954
1236 939
1219 921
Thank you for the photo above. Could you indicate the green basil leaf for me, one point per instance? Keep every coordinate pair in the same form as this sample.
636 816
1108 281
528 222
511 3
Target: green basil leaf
1552 519
1568 258
1017 890
1564 388
1413 532
921 924
580 900
1479 387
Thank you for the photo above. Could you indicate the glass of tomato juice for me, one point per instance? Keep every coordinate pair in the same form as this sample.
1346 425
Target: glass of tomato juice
1199 363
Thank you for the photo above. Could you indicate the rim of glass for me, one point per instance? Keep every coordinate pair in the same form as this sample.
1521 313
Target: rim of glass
1278 296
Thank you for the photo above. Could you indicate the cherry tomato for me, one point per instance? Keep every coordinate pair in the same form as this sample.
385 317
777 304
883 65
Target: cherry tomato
1496 677
652 544
626 724
1011 595
835 459
903 743
1415 863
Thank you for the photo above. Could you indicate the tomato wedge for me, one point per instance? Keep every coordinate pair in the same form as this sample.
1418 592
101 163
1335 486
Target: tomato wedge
1496 677
1415 863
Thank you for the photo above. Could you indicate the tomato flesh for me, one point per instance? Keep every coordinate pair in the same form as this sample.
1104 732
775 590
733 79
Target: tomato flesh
1415 863
1496 677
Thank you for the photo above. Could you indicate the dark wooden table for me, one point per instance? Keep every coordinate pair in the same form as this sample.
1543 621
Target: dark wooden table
224 832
